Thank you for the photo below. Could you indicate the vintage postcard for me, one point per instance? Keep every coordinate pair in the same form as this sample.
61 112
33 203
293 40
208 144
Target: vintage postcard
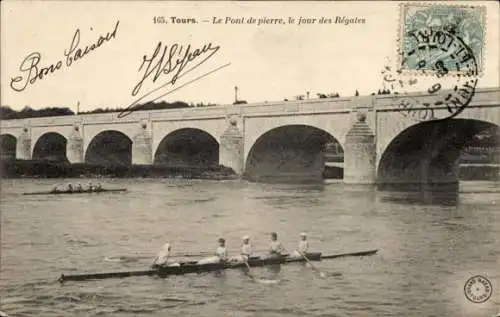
234 158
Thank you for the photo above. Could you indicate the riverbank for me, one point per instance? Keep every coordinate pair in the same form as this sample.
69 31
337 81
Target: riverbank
44 169
486 172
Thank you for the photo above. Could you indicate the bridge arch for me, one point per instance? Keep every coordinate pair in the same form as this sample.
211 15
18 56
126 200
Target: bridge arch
188 147
292 153
429 152
8 146
50 146
109 147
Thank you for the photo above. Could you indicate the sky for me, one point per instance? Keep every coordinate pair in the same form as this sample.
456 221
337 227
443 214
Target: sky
267 62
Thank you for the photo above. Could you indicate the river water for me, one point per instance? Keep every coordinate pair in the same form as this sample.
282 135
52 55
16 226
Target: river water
427 251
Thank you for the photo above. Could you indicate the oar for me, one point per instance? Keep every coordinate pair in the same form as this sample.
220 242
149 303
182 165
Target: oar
257 280
190 255
195 254
249 273
179 255
322 274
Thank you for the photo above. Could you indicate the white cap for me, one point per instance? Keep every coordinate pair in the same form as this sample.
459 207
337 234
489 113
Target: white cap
303 234
245 237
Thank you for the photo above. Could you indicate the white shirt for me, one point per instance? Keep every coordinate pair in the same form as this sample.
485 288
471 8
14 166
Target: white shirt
276 247
163 255
303 246
221 253
246 249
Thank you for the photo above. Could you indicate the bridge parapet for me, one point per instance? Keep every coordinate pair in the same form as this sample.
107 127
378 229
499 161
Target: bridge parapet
482 97
310 106
327 105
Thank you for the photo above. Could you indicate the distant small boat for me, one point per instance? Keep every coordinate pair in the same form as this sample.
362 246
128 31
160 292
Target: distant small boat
74 192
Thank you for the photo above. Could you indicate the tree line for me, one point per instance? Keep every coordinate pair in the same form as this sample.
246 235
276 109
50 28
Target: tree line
7 113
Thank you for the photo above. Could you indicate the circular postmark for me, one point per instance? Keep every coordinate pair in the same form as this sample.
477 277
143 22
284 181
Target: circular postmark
478 289
439 62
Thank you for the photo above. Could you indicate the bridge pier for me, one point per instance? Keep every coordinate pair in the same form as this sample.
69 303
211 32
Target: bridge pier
142 150
23 146
74 148
231 148
359 153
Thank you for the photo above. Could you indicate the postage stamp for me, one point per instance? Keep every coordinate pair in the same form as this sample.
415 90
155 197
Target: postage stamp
445 45
453 93
440 34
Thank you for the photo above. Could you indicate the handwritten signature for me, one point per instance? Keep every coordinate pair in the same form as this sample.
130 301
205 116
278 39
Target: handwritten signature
33 72
172 60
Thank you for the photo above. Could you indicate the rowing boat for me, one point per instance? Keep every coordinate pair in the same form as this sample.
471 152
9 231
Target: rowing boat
193 267
74 192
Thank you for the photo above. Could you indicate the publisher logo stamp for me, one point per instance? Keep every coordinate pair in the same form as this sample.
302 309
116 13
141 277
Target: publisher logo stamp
478 289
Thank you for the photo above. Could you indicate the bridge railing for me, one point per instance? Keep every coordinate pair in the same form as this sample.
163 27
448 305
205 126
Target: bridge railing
299 106
483 97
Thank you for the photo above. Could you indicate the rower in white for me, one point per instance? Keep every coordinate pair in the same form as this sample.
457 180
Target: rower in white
303 246
246 249
220 254
163 255
275 247
221 251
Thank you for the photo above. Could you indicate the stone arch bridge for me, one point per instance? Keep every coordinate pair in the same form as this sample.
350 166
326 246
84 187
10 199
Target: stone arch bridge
380 141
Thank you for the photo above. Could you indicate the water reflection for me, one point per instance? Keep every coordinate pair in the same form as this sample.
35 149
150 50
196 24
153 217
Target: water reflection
285 196
426 250
421 194
274 269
